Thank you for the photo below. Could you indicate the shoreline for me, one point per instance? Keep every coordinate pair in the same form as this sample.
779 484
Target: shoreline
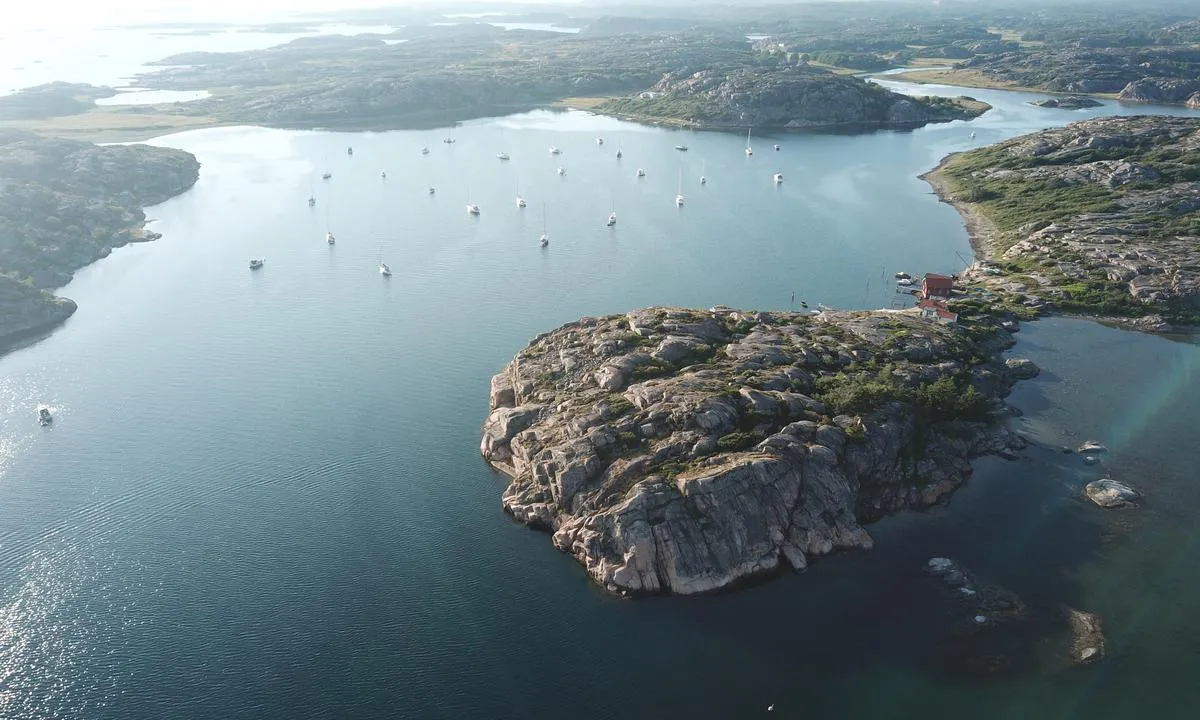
976 81
981 233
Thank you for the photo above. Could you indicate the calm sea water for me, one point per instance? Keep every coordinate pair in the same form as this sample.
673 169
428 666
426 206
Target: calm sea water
262 496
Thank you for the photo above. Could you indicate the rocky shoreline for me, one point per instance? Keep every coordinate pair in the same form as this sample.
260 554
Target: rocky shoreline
683 451
65 204
1096 218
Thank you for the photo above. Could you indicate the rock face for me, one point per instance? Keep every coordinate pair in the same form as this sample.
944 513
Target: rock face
1162 90
674 450
1100 215
65 204
795 98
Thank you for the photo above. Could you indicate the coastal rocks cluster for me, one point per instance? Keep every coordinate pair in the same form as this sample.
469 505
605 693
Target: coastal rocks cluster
994 631
1125 226
677 450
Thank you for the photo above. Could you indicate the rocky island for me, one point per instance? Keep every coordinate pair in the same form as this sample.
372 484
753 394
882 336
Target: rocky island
1101 216
791 99
65 204
679 451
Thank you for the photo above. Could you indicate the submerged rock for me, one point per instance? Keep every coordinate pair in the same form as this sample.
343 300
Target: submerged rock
718 455
1087 643
1108 493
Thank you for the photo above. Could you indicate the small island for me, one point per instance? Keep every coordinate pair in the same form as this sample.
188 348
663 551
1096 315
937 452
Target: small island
1100 217
65 204
680 451
1067 102
799 98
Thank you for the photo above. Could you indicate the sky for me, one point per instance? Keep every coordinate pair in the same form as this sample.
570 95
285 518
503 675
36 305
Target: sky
94 13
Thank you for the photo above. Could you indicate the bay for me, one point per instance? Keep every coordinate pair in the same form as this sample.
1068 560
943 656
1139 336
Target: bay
262 495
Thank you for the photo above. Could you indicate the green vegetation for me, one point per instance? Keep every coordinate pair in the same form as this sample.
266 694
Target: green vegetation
950 397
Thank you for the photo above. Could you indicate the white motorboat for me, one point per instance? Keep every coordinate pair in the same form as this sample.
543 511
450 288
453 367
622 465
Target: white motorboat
562 171
329 238
776 147
502 156
599 141
641 172
681 148
555 151
904 282
472 209
520 201
256 263
349 151
778 178
384 270
424 151
44 416
326 175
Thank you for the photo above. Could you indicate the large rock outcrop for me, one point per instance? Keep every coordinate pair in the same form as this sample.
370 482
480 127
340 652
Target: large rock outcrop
1161 90
674 450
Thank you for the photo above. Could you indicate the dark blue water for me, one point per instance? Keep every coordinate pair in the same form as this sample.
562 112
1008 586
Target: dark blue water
262 497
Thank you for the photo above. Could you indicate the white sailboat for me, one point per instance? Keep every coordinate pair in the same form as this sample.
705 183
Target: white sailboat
778 178
703 179
472 208
641 172
520 200
679 192
612 219
599 141
328 233
555 151
384 270
383 174
562 171
449 139
749 150
544 240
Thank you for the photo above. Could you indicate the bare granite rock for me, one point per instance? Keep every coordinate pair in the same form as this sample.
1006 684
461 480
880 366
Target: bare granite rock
675 450
1108 493
1131 248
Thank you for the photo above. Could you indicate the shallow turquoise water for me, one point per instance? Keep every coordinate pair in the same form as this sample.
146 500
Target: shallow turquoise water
262 495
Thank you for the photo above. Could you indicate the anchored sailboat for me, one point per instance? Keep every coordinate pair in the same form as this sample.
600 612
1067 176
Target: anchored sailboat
544 240
679 192
749 150
384 270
